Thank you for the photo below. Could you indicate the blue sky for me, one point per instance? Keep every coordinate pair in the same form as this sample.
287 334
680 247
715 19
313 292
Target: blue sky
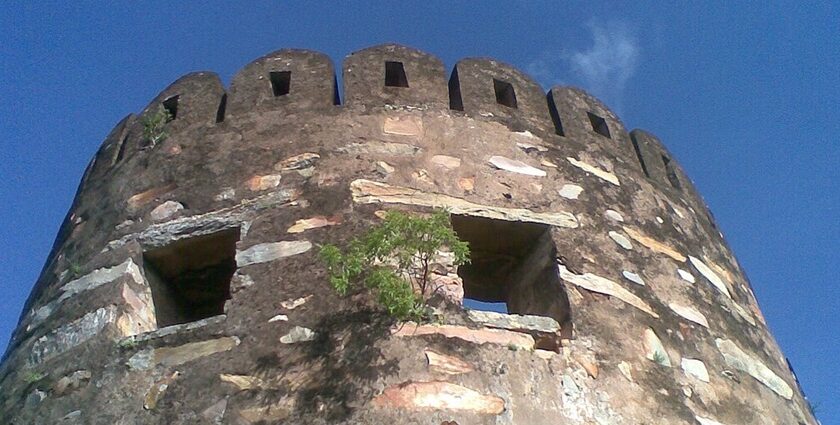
746 96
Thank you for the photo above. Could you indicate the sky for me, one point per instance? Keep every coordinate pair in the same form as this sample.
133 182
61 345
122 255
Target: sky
745 95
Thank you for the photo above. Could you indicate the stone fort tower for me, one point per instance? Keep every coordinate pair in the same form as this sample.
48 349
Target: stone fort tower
184 286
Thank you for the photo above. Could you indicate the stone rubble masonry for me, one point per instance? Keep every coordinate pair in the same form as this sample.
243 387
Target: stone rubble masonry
625 303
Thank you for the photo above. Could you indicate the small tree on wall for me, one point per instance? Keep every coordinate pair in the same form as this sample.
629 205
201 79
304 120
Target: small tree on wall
154 126
393 260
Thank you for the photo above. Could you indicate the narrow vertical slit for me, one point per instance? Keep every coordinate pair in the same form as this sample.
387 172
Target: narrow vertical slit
220 113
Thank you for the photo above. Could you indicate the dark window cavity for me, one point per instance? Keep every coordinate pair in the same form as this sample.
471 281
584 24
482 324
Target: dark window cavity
599 125
505 94
555 115
220 113
190 278
171 106
671 173
639 155
395 75
455 101
280 82
513 268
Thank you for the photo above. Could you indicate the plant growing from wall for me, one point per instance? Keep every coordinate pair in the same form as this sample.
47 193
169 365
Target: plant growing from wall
393 260
154 126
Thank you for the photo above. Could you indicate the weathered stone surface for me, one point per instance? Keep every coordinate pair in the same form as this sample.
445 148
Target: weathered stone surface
244 382
137 201
368 192
175 356
621 240
279 318
450 286
690 314
158 389
138 315
384 167
216 412
686 276
478 336
313 223
515 166
695 368
614 216
716 281
528 148
654 245
654 350
297 162
514 322
298 334
633 277
570 191
381 148
449 365
266 252
166 210
71 335
739 359
626 370
405 125
295 303
706 421
603 285
446 161
601 174
260 183
71 382
439 395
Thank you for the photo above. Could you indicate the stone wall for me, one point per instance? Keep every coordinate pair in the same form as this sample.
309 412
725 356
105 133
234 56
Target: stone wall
661 324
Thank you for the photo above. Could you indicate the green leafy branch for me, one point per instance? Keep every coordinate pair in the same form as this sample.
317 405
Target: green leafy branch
154 126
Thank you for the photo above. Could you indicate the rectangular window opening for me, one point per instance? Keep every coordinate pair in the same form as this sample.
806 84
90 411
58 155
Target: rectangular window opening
512 269
671 173
505 95
190 278
599 125
280 82
171 106
220 113
395 74
555 115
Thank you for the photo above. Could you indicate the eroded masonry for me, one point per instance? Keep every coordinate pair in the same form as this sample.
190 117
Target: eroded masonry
184 286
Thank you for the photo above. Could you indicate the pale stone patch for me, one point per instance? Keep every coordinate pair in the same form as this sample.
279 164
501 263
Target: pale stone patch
298 334
279 318
654 245
654 350
138 315
614 216
695 368
686 276
621 240
589 365
526 134
710 275
244 382
71 382
226 194
547 163
602 174
403 125
216 411
75 333
384 167
271 414
422 175
706 421
312 223
138 200
369 192
478 336
633 277
570 191
439 395
382 148
295 303
689 314
166 210
603 285
449 365
514 322
446 161
545 354
450 285
515 166
467 184
297 162
659 220
737 358
266 252
626 370
743 313
157 390
260 183
175 356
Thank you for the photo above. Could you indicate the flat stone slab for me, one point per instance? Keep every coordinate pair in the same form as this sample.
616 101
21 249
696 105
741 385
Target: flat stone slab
439 395
514 322
507 338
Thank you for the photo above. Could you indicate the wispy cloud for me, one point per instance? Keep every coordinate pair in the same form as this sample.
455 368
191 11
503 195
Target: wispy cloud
603 68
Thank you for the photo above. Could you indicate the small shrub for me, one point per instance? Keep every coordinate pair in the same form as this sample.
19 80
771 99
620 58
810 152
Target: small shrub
154 126
32 376
393 260
659 358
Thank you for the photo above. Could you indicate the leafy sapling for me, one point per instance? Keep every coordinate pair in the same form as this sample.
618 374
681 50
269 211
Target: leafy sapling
154 126
393 260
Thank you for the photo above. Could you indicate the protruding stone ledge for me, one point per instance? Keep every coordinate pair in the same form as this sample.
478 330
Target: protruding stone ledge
371 192
478 336
174 356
